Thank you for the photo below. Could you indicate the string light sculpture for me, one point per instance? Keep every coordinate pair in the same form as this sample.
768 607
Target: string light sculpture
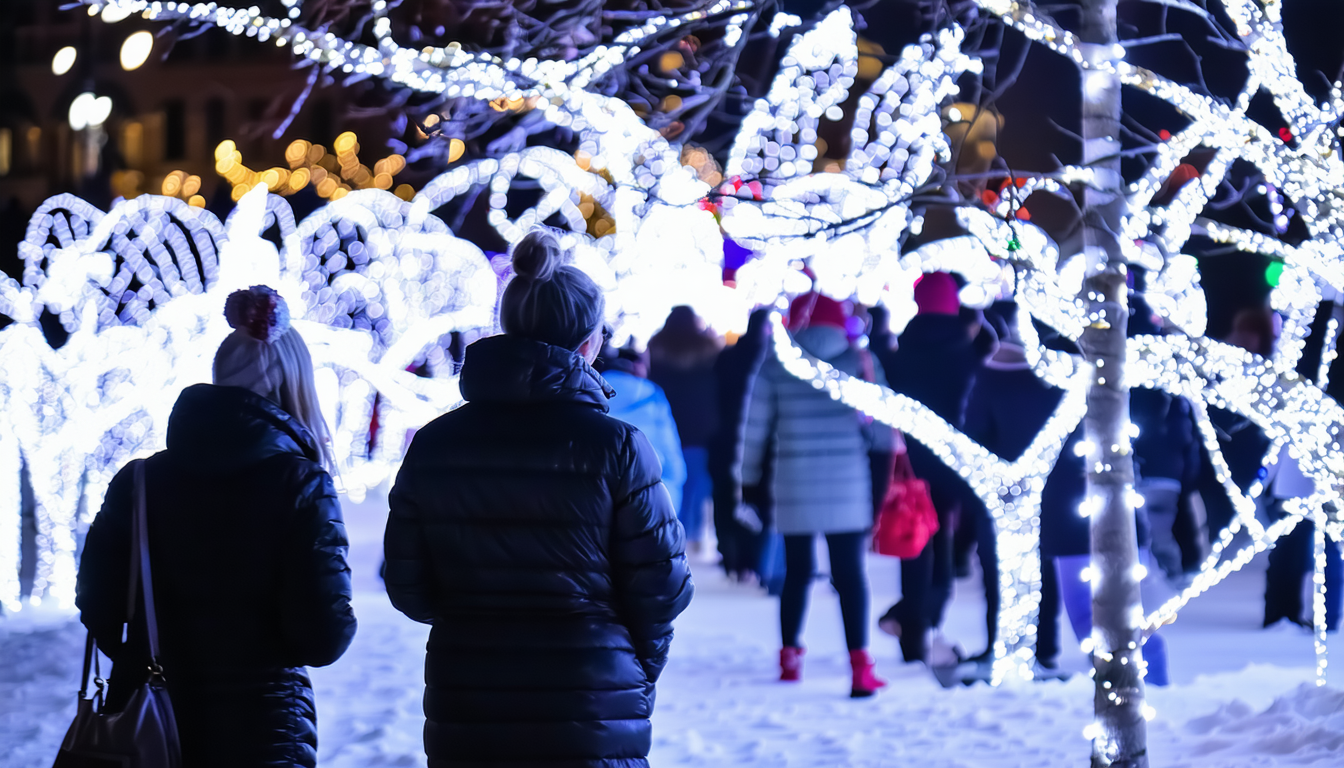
847 226
1311 174
370 280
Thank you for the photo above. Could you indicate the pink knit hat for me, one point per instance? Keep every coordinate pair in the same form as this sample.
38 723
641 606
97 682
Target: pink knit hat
813 309
936 294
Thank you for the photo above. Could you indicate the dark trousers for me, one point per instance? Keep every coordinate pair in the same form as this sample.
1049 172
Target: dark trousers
926 581
847 576
740 547
966 537
1047 619
987 551
696 493
1291 561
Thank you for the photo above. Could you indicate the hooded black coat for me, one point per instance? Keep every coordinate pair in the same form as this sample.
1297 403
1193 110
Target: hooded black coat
935 362
247 552
531 530
1008 407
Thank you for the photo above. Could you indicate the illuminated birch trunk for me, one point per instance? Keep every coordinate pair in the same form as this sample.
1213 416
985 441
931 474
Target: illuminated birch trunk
1119 735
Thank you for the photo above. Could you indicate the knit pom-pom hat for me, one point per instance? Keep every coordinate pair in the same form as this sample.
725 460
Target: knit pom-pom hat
936 294
259 311
813 309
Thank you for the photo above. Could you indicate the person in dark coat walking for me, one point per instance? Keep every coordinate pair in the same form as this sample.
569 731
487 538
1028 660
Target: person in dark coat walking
1166 460
935 362
1008 407
681 361
531 530
247 551
741 544
821 483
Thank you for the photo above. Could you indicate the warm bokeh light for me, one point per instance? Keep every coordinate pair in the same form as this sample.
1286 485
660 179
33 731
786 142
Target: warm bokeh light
136 49
64 60
89 111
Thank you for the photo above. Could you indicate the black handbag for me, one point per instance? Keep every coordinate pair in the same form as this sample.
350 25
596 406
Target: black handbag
144 733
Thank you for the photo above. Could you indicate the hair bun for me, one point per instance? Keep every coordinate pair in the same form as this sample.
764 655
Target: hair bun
536 256
259 311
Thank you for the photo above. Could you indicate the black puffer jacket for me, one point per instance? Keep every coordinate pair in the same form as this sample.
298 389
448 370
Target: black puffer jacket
1008 407
935 362
247 551
532 531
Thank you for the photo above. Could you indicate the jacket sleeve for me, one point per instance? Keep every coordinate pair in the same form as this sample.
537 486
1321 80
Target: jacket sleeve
979 424
408 577
1188 430
648 561
761 409
317 621
669 447
104 567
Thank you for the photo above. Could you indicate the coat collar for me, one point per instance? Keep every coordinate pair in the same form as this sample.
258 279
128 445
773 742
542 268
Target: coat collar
513 369
223 429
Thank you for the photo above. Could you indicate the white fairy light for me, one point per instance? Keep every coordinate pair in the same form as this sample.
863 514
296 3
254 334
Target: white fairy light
1318 603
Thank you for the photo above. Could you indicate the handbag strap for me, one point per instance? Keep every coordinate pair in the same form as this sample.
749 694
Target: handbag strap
140 567
89 651
901 468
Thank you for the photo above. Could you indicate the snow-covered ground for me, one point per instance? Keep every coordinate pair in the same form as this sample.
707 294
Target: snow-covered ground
1242 696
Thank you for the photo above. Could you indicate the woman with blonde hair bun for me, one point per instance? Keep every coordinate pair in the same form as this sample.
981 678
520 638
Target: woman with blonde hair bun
531 530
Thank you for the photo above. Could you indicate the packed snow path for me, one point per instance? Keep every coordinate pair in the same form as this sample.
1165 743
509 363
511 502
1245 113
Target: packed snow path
1242 696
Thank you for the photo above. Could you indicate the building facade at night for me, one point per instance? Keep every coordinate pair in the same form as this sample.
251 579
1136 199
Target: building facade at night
168 102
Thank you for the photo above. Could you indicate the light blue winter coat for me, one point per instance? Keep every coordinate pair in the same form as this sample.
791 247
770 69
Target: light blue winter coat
642 404
822 479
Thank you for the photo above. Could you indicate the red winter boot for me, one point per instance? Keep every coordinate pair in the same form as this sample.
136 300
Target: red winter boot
865 682
791 664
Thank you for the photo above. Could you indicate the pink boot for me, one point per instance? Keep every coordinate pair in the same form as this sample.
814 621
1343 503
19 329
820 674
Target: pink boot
791 664
865 682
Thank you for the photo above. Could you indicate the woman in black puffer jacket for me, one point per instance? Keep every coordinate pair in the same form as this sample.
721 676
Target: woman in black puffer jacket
532 531
247 551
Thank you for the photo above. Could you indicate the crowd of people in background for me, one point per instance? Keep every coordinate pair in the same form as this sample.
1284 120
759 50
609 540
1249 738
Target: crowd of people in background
775 463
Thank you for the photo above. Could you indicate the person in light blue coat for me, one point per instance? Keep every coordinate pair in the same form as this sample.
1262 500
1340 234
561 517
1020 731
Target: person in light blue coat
643 405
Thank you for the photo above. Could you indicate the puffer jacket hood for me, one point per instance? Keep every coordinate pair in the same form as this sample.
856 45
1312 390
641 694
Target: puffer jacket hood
220 430
1010 356
512 369
823 342
639 393
934 332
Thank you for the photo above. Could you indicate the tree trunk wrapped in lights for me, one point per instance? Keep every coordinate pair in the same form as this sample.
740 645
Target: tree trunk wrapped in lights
1119 735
